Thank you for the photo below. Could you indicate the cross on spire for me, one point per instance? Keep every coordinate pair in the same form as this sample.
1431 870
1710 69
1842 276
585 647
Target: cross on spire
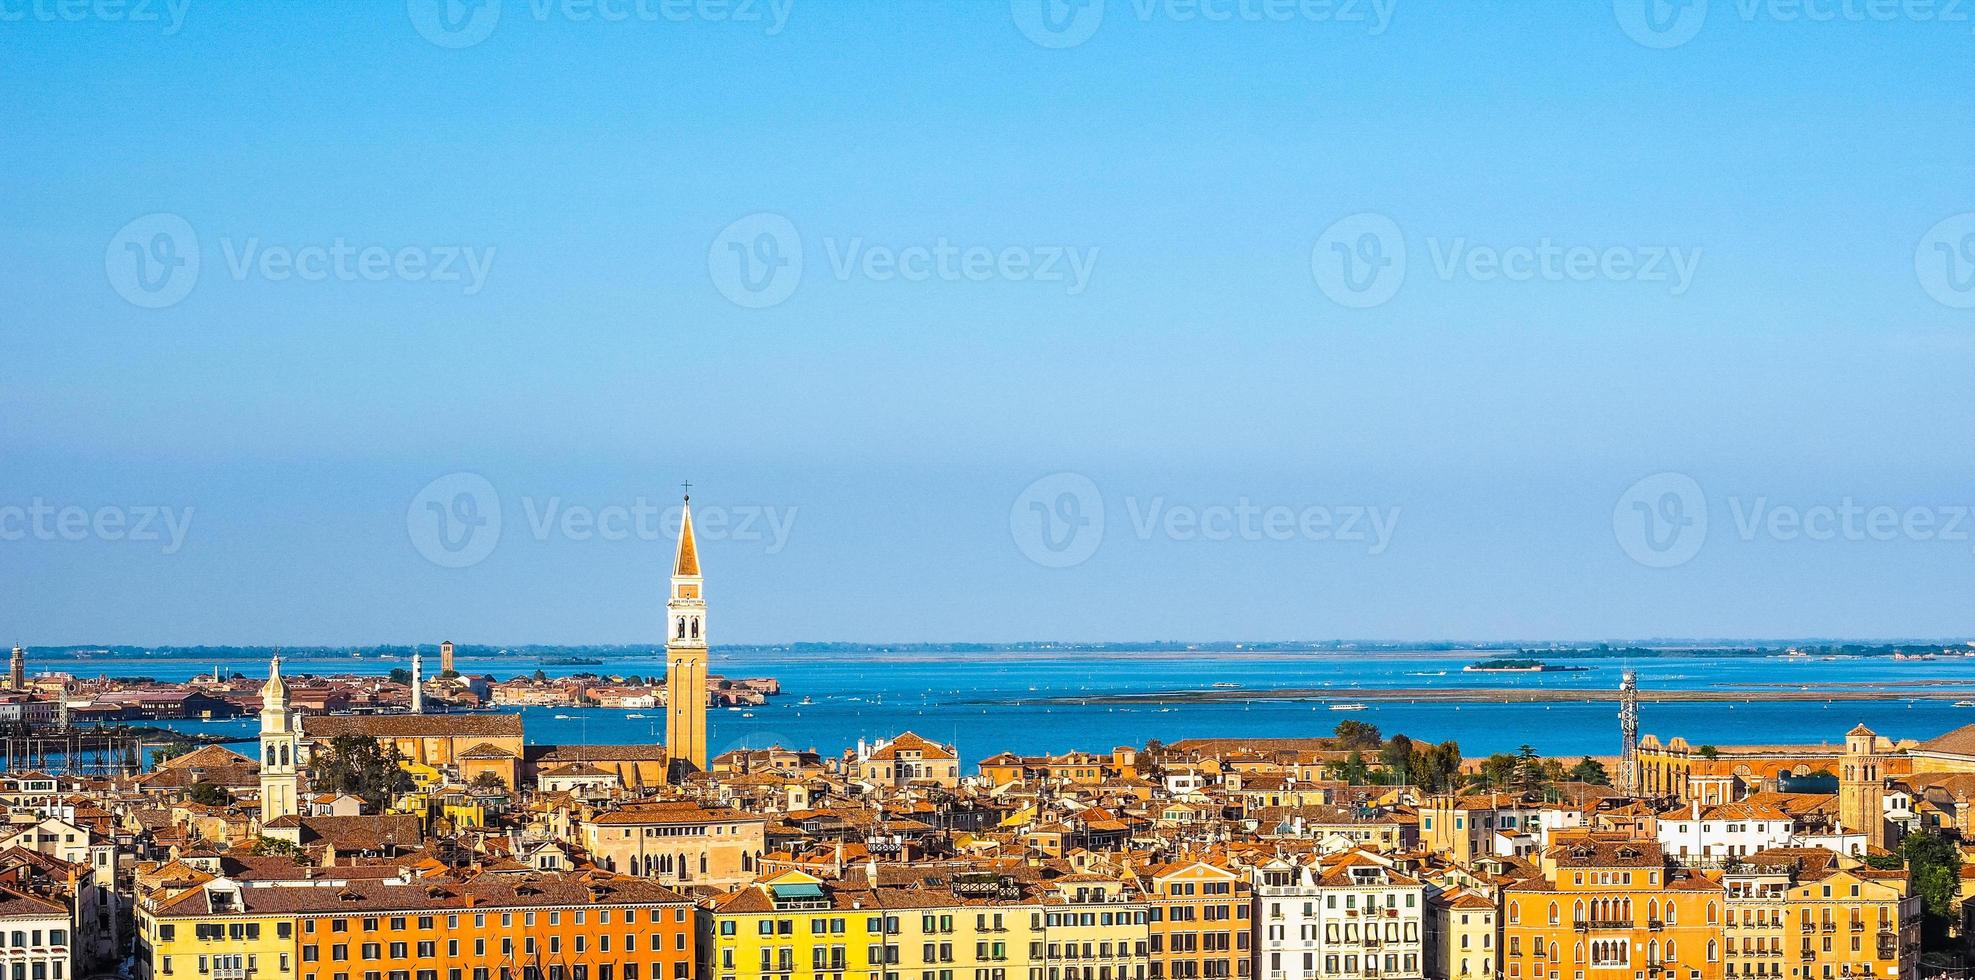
688 485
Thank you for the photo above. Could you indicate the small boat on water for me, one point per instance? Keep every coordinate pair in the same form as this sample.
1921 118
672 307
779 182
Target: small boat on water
634 716
562 717
1347 707
1225 684
1964 704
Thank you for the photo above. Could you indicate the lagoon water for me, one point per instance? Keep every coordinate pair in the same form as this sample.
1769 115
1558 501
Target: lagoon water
990 702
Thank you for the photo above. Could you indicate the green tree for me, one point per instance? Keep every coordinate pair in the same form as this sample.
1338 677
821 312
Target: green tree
1933 869
1396 757
1437 768
541 676
1352 734
1529 775
275 846
210 794
170 750
1498 771
1589 770
1708 752
487 782
1353 769
357 765
400 675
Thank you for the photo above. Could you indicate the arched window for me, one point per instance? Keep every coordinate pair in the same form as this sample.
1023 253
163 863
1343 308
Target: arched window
680 632
1672 951
695 627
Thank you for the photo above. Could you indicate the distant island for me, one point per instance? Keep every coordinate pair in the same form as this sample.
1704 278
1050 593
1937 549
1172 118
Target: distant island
593 654
571 662
1515 666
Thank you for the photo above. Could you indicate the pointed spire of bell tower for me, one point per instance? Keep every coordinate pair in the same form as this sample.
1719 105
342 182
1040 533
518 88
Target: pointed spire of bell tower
685 655
686 562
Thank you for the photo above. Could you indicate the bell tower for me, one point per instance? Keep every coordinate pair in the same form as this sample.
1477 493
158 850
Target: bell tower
1862 786
685 657
281 746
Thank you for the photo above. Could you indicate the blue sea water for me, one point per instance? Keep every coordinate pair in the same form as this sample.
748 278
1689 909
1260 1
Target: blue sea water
991 702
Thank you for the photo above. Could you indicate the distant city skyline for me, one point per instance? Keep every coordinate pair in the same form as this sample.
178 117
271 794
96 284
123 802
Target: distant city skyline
977 324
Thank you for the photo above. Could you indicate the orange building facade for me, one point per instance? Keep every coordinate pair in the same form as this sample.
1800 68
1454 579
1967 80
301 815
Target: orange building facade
636 931
1612 909
1200 921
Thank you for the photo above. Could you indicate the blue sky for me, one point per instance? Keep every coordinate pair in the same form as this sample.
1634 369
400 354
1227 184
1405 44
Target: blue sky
910 436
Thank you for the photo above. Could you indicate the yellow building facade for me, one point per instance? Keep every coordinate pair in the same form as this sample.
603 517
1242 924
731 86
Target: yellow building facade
204 934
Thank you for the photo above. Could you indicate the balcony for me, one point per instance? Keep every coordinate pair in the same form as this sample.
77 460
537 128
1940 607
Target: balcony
231 973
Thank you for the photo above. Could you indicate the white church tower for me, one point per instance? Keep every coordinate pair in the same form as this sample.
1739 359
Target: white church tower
281 749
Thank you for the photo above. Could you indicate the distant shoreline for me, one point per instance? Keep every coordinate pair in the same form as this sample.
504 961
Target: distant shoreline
1487 695
1922 650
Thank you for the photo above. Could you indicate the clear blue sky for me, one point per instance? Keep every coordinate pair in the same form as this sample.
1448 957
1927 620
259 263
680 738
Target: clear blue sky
1202 362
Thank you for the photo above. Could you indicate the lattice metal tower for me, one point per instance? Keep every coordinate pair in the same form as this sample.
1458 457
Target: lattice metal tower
1628 733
